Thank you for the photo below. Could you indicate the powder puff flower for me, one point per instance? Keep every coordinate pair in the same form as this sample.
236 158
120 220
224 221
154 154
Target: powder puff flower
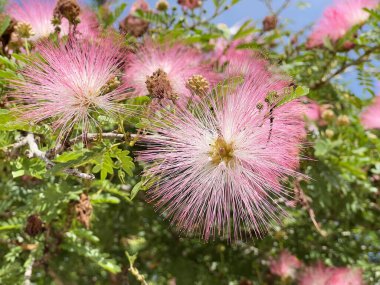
246 65
312 111
345 276
225 51
190 4
285 265
258 71
216 170
339 18
370 118
39 14
70 84
316 275
153 68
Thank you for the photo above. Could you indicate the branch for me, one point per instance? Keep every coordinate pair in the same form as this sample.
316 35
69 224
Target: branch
34 151
305 202
95 136
28 272
283 7
361 59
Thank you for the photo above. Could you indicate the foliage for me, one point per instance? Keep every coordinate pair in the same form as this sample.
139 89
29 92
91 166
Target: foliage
123 241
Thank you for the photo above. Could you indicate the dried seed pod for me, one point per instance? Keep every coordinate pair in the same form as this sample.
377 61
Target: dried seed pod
34 226
159 87
68 9
83 210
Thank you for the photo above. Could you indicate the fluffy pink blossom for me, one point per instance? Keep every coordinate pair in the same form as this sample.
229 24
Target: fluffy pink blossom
339 18
259 70
371 116
139 5
39 14
71 84
216 169
312 111
345 276
178 62
190 4
285 265
316 275
245 65
225 51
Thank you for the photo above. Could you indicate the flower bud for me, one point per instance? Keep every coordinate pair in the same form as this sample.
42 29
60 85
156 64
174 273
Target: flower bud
371 136
198 85
134 26
328 115
343 120
24 30
270 23
329 133
162 5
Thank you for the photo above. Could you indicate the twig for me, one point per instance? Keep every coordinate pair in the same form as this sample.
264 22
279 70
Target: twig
283 7
34 151
95 136
55 277
305 202
87 137
363 58
28 272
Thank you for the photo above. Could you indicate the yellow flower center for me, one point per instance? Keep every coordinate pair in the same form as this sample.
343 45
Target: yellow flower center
221 151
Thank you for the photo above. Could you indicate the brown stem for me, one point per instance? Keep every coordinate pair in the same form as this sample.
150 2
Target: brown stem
361 59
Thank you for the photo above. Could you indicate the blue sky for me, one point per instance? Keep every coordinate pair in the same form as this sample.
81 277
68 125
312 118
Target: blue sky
297 15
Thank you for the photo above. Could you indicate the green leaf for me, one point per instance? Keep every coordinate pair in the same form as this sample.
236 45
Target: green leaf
119 10
151 17
136 189
86 157
4 24
104 199
10 227
244 30
295 94
104 165
125 160
69 156
109 265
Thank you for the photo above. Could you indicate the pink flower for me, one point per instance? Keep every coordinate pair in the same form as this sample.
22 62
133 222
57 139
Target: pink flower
346 276
312 111
190 4
225 50
139 5
88 26
316 275
245 65
71 84
339 18
285 265
216 169
371 116
39 14
177 62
